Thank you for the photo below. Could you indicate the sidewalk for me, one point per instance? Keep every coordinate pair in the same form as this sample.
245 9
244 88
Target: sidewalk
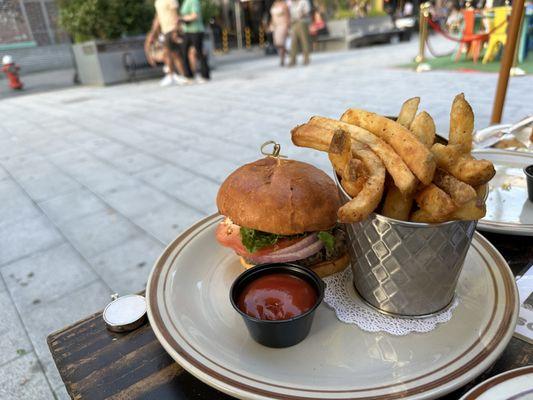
47 81
39 82
96 181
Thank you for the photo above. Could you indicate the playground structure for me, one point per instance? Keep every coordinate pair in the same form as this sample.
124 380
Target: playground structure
481 31
510 28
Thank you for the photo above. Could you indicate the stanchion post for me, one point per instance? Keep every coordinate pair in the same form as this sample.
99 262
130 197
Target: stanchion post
261 37
247 37
423 34
225 43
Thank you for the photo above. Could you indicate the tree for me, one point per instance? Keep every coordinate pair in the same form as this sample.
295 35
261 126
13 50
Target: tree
104 19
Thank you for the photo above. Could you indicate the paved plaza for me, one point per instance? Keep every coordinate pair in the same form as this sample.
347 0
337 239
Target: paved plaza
94 182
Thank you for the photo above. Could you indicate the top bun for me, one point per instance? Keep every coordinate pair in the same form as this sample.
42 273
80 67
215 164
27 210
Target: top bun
280 196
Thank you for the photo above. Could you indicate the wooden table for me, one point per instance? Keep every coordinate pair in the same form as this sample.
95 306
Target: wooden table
97 364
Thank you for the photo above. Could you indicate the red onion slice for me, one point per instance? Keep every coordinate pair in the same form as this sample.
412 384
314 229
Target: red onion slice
315 247
307 241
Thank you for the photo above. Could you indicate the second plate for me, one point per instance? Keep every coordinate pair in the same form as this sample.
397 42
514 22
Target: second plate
508 209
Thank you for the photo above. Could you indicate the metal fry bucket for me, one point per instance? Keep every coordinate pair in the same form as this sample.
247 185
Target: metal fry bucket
405 268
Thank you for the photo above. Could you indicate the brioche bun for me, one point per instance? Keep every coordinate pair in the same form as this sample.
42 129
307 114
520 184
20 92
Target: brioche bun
322 269
280 196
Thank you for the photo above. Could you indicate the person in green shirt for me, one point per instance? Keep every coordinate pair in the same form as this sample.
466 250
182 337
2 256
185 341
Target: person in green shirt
193 35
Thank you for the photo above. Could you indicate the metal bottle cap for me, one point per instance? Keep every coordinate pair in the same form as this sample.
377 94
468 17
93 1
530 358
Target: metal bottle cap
125 313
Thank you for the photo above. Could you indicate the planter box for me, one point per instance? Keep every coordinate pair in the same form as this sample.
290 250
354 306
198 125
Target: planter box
106 62
354 32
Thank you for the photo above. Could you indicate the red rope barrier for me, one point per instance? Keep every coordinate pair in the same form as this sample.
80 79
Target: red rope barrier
436 27
434 53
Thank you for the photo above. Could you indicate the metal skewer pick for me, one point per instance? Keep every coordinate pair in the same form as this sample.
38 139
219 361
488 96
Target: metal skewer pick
275 150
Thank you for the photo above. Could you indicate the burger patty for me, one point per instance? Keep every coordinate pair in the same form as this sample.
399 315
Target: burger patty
322 255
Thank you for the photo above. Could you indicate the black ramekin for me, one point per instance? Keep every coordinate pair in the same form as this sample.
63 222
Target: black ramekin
286 332
529 178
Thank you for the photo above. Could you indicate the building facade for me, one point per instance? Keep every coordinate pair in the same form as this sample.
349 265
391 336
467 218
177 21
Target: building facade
29 23
29 31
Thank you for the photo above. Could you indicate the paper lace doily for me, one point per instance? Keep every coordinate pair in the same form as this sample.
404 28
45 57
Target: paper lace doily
350 308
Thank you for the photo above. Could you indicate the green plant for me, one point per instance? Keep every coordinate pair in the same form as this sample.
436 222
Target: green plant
345 9
104 19
376 13
344 14
210 9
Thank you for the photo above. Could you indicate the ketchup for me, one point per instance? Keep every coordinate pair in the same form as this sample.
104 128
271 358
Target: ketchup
277 297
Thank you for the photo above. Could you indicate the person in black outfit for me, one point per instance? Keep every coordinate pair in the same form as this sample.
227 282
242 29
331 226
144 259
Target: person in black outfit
193 28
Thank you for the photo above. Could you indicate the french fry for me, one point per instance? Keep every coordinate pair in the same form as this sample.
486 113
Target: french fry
319 138
354 177
482 191
461 123
435 202
425 217
401 174
471 211
353 188
509 143
314 137
417 157
446 155
424 129
366 201
460 192
340 151
397 205
449 183
408 111
463 167
354 169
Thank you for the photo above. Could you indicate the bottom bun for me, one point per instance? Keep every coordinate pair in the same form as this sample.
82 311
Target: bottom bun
331 267
323 269
245 264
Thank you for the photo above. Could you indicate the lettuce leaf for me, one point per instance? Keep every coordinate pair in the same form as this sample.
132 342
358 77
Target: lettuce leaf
255 240
329 241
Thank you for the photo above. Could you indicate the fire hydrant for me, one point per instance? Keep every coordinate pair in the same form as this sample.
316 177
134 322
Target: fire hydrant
12 72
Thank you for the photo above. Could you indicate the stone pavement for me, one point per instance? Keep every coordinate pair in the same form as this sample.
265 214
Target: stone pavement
45 81
38 82
94 182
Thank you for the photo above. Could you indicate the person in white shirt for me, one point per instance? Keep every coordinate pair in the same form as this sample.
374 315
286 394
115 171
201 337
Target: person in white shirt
300 11
166 20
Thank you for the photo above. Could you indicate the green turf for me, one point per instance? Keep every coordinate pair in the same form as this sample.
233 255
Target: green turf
446 63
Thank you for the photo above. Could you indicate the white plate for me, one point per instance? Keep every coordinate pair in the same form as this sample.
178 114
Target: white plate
191 315
516 384
508 209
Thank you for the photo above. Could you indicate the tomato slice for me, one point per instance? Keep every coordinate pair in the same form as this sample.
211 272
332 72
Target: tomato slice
229 235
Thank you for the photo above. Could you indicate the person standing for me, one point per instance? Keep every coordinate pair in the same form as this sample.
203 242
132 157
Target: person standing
193 28
166 20
279 25
299 10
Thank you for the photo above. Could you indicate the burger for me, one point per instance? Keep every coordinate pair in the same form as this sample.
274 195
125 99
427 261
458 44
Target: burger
280 210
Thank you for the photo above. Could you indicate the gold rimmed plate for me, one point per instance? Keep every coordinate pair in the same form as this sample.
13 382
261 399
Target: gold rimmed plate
508 209
191 315
515 384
